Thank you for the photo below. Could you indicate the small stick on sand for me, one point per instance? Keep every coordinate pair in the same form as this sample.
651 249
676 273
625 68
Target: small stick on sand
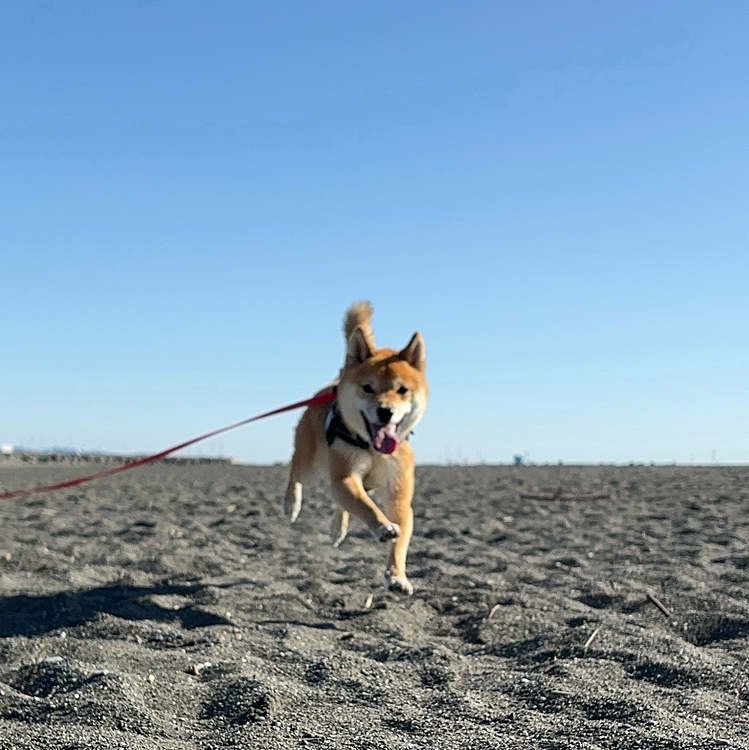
590 638
492 611
558 495
368 603
658 603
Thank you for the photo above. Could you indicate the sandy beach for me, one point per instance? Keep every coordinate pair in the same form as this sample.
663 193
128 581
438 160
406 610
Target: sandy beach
174 607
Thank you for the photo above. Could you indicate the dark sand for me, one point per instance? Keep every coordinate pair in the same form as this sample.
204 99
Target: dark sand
174 607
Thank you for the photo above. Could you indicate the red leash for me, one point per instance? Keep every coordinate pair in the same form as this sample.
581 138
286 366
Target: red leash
322 398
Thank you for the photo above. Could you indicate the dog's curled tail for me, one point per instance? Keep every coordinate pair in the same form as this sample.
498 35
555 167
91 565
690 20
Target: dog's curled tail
359 315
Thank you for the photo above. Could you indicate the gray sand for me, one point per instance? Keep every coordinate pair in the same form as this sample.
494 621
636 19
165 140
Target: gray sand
174 607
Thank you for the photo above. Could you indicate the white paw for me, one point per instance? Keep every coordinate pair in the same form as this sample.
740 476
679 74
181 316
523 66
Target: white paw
339 527
398 584
292 502
387 532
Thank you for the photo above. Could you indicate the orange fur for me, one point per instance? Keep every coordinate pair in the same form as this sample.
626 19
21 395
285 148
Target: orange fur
381 396
359 315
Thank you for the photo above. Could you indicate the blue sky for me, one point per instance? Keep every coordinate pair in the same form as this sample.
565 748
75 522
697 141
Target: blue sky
556 194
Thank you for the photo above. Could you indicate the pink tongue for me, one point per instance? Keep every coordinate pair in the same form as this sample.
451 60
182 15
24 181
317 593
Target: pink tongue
384 439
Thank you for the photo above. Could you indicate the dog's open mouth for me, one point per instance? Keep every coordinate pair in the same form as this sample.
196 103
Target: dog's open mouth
383 436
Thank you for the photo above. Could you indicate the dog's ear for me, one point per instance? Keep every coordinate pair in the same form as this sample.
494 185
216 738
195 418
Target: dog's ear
358 349
415 352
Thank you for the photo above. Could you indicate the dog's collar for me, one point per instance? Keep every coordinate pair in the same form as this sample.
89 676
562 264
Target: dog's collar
335 427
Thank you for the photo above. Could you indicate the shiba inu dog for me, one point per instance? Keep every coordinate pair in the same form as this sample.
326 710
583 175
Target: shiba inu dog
361 440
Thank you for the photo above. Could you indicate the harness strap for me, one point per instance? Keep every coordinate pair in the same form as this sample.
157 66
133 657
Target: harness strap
335 427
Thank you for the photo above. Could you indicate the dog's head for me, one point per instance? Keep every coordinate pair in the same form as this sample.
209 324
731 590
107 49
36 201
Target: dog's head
382 393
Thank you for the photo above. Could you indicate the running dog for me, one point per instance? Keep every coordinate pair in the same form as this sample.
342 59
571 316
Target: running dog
361 440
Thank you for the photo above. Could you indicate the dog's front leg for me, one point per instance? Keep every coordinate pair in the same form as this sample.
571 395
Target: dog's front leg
352 497
399 509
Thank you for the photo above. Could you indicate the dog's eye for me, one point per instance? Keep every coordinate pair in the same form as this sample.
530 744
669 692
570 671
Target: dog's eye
403 390
367 388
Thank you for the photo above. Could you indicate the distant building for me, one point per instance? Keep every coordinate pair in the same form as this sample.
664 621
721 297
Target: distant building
6 449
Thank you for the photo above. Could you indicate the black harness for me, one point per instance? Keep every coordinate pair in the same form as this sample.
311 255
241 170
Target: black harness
335 427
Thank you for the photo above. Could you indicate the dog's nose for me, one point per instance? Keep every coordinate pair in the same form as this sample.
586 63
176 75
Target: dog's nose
384 415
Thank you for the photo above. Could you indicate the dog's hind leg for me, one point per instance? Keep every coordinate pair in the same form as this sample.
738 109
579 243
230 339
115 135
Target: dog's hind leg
292 501
301 466
339 526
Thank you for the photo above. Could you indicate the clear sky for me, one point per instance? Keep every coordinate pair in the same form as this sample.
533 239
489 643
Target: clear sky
555 194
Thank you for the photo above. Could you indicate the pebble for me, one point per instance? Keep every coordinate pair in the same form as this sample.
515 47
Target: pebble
196 669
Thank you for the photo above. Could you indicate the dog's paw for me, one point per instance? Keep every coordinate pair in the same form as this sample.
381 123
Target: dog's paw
292 502
387 532
339 527
398 584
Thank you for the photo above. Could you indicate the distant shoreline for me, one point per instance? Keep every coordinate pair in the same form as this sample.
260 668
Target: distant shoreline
32 458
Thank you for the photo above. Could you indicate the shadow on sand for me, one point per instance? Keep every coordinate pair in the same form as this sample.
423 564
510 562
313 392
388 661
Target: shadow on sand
24 615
